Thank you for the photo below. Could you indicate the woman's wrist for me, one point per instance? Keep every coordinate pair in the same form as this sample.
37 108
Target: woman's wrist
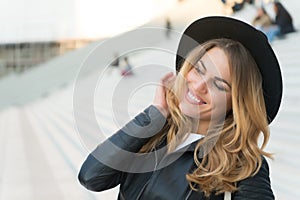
162 110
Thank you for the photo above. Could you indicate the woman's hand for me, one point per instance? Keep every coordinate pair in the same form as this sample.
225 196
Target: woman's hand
160 95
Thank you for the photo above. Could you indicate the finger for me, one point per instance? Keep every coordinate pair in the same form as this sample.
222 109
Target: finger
168 80
167 76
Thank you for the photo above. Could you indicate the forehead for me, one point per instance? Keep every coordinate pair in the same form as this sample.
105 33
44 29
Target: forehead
216 62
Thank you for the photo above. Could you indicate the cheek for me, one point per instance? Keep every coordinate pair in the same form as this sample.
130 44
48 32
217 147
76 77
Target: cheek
191 76
221 101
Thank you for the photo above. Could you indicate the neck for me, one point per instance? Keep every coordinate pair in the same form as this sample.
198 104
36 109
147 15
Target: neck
203 127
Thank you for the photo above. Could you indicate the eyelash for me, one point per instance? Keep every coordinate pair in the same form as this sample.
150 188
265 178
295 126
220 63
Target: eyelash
201 72
197 67
219 87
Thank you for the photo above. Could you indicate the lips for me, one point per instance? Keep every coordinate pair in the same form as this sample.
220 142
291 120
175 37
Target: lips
193 99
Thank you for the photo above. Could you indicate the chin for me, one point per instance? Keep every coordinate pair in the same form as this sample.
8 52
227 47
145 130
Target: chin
189 111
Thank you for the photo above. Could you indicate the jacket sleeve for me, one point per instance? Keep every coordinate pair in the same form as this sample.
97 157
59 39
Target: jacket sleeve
107 165
257 187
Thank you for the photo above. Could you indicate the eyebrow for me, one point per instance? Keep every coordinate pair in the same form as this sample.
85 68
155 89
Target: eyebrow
203 65
217 78
220 79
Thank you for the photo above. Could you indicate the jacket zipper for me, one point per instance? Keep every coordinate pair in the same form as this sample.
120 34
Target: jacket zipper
190 192
143 188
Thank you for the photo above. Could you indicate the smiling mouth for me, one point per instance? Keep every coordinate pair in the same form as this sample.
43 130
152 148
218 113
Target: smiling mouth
193 99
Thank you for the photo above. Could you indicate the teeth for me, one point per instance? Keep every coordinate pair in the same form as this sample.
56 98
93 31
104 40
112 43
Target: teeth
193 97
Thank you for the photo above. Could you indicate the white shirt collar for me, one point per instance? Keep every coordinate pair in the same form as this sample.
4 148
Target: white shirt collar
189 140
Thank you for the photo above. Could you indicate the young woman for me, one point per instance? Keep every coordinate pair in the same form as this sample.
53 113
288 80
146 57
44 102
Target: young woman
283 19
262 20
283 23
200 138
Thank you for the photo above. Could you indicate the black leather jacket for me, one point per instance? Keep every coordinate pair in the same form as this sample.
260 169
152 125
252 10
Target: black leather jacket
166 179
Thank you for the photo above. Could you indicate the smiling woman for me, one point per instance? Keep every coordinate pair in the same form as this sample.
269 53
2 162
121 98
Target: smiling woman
200 137
208 86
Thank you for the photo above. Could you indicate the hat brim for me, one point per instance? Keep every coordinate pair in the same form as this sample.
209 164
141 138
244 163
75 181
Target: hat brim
253 40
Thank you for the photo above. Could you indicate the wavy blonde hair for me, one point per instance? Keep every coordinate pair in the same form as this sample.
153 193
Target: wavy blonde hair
230 151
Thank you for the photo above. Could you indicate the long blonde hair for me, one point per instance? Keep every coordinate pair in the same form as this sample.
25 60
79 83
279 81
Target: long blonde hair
230 151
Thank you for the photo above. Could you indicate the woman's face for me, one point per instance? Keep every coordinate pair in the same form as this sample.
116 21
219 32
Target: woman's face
260 12
275 8
207 95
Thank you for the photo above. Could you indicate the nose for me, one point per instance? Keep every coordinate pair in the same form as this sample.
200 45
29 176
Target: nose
201 85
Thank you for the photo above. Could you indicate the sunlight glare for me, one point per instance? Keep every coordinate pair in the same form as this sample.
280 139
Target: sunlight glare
105 18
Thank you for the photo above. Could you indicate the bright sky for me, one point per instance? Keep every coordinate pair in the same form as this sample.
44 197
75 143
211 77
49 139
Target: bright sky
44 20
36 20
109 17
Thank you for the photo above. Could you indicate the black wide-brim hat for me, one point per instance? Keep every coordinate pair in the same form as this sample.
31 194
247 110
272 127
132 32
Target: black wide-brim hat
255 41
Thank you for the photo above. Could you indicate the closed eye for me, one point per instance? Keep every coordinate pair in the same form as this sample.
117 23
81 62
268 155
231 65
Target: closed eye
200 67
221 84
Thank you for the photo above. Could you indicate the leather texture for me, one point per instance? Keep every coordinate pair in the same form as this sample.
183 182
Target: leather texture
166 179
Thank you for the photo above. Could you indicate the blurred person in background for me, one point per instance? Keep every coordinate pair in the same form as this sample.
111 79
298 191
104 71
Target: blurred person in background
262 20
126 68
282 25
237 4
168 27
114 64
283 19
